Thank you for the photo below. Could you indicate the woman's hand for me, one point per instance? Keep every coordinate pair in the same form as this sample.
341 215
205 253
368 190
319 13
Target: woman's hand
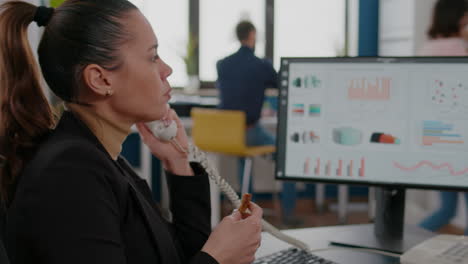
173 159
235 240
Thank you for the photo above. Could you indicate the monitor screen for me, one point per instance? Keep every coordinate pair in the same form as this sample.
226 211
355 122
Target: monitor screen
378 121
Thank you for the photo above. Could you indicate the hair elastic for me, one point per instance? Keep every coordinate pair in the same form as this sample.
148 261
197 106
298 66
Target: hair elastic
43 15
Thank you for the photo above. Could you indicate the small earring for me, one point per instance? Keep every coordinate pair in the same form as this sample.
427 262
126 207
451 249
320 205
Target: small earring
109 92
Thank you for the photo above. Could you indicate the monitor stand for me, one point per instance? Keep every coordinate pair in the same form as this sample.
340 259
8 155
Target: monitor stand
388 232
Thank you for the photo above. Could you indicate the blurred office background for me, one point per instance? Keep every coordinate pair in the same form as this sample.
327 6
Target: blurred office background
194 34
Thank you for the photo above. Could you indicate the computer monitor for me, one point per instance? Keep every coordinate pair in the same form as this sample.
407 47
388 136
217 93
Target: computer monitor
395 123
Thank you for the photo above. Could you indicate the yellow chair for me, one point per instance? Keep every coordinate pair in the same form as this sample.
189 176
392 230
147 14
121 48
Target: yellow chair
223 131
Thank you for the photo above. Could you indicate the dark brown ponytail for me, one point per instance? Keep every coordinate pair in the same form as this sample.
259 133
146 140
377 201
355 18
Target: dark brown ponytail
25 114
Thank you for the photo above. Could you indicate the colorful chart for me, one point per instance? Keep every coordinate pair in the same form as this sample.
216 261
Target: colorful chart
438 132
347 136
314 109
336 168
308 81
339 170
448 96
307 166
367 90
429 164
389 122
305 137
298 109
310 137
362 169
295 137
382 138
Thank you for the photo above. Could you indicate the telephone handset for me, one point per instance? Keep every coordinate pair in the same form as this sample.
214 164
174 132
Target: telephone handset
164 132
168 132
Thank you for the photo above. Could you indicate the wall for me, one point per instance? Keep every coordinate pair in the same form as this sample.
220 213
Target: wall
353 27
403 25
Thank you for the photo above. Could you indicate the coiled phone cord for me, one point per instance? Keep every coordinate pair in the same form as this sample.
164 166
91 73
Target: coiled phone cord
197 155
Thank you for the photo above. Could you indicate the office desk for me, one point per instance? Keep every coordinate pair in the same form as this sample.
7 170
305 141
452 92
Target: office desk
318 238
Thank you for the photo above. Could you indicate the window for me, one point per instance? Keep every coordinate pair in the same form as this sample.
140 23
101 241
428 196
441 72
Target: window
302 28
218 19
305 28
169 20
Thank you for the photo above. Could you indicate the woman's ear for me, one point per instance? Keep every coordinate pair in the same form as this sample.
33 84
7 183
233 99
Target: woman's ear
98 80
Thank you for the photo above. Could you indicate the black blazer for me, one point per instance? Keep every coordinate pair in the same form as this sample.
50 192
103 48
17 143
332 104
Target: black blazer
74 204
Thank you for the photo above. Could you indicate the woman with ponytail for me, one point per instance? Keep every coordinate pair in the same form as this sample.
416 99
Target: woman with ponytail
69 195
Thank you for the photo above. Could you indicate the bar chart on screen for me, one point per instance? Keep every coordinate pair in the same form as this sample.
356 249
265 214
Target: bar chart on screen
448 134
321 167
369 90
365 97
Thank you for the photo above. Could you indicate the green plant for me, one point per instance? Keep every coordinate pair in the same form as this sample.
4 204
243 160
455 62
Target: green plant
56 3
190 57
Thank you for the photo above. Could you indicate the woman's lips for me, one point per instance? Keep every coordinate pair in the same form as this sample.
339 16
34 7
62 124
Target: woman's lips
168 93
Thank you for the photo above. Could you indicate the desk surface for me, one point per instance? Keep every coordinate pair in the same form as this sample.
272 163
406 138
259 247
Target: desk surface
318 238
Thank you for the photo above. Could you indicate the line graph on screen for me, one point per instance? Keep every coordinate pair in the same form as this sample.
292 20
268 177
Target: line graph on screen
433 166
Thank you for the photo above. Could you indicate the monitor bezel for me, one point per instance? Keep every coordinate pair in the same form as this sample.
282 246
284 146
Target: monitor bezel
282 117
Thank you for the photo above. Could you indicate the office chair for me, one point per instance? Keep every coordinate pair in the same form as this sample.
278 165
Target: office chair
223 131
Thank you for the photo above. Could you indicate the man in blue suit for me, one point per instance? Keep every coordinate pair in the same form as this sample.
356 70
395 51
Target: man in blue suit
242 80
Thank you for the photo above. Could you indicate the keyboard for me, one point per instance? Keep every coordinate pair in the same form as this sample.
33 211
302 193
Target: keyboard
456 253
292 256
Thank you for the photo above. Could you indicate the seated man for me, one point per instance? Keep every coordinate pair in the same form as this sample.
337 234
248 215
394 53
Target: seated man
242 79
